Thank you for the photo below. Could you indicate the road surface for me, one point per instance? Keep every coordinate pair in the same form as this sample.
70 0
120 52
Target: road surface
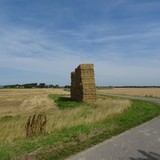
140 143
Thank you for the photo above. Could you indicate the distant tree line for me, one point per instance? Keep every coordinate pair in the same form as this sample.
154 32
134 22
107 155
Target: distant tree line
34 85
43 85
128 86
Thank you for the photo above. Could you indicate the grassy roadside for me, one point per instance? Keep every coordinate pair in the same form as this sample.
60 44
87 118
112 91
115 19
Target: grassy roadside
62 143
139 113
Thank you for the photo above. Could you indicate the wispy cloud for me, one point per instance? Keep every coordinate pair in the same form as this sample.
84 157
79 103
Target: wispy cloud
50 39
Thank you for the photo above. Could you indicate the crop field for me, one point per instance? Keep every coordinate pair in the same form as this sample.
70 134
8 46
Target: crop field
141 92
26 101
70 124
16 105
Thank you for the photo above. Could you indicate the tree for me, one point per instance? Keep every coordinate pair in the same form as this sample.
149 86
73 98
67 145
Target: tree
56 86
42 85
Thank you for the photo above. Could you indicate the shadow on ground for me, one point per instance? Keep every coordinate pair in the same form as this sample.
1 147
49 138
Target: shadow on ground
67 103
65 99
148 156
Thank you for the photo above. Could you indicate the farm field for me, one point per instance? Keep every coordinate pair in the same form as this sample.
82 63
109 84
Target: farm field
70 124
140 92
26 101
16 105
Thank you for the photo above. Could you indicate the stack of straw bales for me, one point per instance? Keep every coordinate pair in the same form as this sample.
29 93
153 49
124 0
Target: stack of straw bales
83 86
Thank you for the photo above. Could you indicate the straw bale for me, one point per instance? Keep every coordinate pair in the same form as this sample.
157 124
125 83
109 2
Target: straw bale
83 83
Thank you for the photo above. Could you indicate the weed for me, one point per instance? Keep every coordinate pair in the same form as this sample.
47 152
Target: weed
36 125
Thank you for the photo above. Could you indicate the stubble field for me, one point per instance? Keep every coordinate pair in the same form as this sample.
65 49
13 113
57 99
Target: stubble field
140 92
26 101
16 105
71 126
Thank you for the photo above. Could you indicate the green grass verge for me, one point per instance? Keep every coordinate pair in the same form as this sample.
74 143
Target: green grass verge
65 102
61 144
139 113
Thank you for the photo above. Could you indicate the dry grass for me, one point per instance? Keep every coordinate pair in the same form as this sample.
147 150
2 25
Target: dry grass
26 101
144 92
29 102
100 110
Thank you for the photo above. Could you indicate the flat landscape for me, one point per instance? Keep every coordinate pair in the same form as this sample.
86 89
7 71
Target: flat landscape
62 63
71 126
23 103
26 101
140 92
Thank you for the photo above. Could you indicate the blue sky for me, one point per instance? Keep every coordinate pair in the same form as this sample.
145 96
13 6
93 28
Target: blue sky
44 40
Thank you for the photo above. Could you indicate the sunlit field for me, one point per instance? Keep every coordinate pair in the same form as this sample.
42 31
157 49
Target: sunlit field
143 92
68 124
16 105
26 101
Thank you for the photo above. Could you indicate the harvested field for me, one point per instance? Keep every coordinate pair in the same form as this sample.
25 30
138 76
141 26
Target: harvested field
16 105
142 92
26 101
75 124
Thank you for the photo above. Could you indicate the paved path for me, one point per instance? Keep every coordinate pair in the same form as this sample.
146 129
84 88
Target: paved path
140 143
155 100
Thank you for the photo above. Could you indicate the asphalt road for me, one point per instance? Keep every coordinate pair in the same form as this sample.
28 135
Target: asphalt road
155 100
140 143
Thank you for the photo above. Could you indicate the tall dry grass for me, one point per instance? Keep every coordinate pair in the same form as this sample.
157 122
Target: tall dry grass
16 105
97 111
144 92
12 126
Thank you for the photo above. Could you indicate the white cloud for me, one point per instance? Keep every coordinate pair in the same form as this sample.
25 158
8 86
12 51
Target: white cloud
124 53
31 51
